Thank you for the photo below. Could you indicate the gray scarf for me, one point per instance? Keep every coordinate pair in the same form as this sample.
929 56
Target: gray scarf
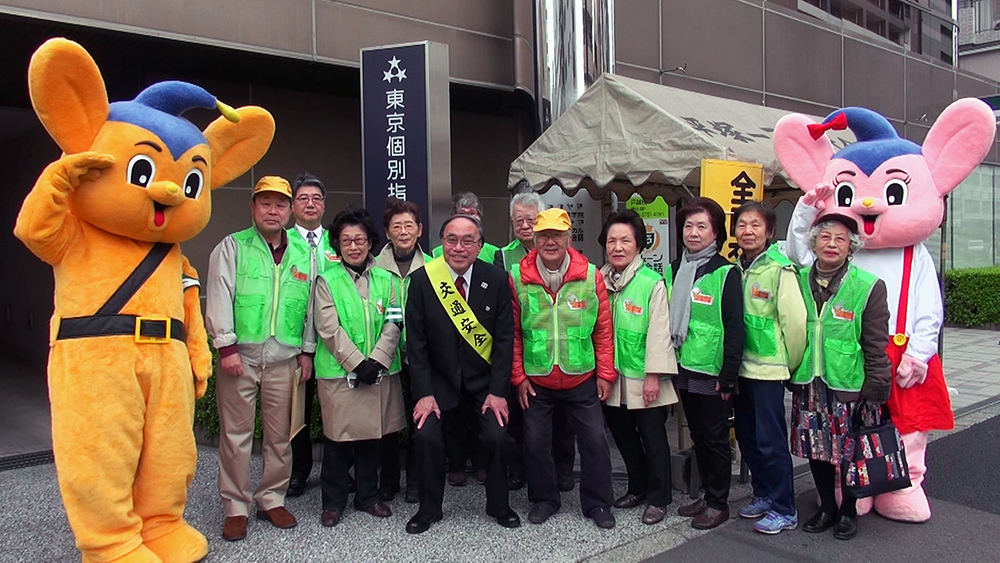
552 279
680 301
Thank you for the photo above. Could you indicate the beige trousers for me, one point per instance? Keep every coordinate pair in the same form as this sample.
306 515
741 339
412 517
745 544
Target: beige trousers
237 398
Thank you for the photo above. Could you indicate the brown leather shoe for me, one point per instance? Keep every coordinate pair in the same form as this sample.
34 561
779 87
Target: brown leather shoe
235 528
379 510
330 518
693 509
456 479
710 518
279 517
629 501
654 514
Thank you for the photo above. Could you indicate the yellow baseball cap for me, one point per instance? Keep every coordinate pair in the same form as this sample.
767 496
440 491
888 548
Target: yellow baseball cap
553 219
273 184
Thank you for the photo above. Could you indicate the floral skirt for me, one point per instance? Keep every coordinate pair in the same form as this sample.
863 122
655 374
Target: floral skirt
819 423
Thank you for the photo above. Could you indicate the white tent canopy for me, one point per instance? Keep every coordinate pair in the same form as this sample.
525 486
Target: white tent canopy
630 136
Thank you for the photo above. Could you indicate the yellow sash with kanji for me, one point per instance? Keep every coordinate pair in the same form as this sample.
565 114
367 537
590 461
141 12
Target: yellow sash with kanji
458 309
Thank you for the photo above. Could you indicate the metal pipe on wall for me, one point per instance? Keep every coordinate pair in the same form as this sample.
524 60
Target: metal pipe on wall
574 45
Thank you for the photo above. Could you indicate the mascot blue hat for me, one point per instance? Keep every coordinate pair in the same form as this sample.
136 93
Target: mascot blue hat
159 108
877 138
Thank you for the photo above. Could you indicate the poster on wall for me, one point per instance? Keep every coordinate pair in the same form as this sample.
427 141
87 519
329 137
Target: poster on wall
731 184
656 216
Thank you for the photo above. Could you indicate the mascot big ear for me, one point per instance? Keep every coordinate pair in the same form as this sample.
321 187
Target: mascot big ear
958 141
803 158
238 146
68 94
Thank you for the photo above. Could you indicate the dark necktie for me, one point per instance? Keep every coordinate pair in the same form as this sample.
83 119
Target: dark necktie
311 237
460 284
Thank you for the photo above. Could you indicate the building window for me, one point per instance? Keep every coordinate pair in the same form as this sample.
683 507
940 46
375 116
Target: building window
984 14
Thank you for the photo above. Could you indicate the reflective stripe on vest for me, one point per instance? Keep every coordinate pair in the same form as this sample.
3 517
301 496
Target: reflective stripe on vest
571 319
839 361
764 341
630 311
270 299
702 350
361 319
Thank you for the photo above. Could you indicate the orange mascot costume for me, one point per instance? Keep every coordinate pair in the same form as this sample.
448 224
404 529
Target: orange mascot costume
128 353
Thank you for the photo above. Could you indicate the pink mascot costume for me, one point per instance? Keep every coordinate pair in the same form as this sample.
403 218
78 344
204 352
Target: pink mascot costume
895 190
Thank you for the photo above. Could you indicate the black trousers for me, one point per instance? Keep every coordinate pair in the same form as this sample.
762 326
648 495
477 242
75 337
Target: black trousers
563 439
461 438
430 446
302 451
641 437
337 460
708 421
389 445
825 476
595 455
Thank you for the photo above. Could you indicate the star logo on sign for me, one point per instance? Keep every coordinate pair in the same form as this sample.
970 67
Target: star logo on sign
394 71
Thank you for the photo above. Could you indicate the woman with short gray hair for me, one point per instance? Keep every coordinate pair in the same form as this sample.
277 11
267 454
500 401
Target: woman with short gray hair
845 362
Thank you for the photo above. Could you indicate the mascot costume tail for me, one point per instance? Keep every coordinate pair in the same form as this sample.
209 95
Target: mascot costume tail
895 190
128 353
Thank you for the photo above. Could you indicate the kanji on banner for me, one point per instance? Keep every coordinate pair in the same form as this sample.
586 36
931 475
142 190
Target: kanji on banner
656 216
731 184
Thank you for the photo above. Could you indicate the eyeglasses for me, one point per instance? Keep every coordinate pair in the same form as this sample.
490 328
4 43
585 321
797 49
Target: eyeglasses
528 222
359 242
306 199
465 242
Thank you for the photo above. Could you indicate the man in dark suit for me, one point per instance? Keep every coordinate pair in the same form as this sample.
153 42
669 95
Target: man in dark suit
460 345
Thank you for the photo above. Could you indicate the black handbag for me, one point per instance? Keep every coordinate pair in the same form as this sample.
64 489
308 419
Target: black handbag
874 461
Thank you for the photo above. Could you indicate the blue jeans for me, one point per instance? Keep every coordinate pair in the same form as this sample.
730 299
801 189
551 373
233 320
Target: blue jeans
763 436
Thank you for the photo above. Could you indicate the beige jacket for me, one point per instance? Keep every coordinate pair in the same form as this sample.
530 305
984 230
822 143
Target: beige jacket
220 289
660 359
366 412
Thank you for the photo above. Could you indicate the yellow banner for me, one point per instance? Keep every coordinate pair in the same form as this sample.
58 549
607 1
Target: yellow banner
731 184
458 309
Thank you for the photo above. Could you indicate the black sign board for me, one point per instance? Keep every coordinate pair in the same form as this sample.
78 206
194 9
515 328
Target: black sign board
394 128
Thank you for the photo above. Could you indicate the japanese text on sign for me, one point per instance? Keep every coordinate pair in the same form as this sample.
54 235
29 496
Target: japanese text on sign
731 184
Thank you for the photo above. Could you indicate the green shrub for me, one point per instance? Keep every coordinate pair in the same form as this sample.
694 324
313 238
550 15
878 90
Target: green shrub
972 296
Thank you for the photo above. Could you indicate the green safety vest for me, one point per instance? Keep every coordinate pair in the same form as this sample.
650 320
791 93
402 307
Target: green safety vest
324 254
630 314
487 254
764 341
270 299
833 351
702 350
512 254
362 319
558 334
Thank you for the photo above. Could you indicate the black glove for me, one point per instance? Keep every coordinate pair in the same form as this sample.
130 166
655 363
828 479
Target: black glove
874 391
367 372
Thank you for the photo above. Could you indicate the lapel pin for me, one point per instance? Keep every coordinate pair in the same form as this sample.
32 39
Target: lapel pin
484 285
487 307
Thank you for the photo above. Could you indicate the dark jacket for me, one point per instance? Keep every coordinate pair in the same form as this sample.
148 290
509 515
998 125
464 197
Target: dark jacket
441 361
732 319
603 335
874 336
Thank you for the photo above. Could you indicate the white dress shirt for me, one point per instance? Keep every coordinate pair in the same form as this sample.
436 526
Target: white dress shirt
318 232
